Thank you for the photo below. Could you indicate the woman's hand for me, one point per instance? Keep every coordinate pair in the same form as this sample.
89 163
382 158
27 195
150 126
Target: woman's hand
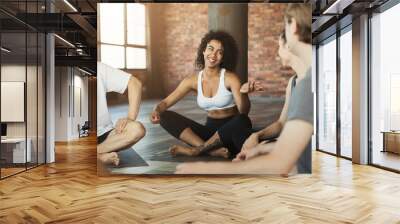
155 117
251 86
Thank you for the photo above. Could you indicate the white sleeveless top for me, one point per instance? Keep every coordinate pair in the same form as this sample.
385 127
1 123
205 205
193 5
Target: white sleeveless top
222 99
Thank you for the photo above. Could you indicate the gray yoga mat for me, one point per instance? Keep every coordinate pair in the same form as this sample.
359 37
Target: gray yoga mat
129 158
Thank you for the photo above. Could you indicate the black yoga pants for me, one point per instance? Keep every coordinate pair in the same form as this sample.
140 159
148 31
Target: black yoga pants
233 131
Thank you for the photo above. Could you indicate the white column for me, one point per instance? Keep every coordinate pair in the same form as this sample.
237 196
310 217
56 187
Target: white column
50 101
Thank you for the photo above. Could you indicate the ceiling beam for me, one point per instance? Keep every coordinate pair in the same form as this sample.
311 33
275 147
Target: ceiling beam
84 24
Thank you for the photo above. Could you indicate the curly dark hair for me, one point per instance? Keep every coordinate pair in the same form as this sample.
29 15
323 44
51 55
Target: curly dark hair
229 58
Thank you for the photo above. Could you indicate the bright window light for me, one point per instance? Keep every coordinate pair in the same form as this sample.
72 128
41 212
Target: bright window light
112 23
327 96
136 19
113 55
123 35
136 58
394 94
346 74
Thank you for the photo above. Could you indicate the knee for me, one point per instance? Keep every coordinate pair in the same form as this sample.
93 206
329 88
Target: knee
135 131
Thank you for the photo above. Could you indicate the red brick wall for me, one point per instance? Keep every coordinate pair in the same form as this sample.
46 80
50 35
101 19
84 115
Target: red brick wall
185 24
265 24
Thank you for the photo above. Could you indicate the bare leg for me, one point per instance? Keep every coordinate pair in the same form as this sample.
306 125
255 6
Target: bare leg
106 151
221 152
108 158
212 146
191 138
177 150
132 133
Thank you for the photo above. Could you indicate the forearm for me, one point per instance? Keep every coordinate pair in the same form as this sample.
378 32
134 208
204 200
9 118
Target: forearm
263 164
134 97
244 107
161 107
271 131
282 159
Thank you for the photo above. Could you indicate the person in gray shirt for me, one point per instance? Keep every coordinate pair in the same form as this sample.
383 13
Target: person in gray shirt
291 152
296 95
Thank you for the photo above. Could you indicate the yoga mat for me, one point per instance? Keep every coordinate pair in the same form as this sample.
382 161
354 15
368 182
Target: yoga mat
129 158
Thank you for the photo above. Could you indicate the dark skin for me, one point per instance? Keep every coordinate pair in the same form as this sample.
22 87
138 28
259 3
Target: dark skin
213 55
292 140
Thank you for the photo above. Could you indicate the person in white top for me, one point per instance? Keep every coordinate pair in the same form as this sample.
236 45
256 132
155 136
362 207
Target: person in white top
218 93
127 131
292 151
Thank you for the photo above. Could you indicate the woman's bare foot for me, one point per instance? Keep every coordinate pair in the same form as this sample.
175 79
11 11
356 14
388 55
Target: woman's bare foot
221 152
109 158
176 150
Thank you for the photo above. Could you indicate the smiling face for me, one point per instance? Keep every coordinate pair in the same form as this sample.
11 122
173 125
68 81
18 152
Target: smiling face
213 54
283 52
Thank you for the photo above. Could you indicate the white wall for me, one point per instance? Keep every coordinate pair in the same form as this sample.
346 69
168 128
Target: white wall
33 127
70 83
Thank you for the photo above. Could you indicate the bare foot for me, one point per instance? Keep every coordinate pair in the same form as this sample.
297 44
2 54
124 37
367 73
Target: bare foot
176 150
108 158
221 152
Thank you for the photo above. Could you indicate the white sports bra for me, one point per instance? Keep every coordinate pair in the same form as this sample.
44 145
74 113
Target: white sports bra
223 98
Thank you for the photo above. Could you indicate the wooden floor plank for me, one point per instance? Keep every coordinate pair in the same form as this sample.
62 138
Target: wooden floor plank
336 192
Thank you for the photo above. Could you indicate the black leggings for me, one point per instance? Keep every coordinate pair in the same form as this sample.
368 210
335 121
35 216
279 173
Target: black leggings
233 131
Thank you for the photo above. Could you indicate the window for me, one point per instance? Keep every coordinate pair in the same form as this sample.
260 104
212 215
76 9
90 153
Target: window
334 93
123 35
385 86
346 93
327 96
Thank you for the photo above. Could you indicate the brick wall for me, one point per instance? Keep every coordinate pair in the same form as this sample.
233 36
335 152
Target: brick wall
265 24
185 24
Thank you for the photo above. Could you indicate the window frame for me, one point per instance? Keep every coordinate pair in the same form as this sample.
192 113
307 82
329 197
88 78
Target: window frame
126 45
333 37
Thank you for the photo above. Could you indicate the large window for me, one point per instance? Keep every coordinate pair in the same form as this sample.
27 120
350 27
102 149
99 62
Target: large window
346 93
123 35
335 94
385 88
327 96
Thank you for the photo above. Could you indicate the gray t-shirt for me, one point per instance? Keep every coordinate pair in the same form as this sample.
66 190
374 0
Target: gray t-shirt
301 107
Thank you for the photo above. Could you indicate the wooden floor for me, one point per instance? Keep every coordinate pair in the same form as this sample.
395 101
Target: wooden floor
69 191
386 159
5 172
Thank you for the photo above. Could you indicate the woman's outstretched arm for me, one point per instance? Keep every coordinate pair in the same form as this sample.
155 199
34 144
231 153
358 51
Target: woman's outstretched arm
184 87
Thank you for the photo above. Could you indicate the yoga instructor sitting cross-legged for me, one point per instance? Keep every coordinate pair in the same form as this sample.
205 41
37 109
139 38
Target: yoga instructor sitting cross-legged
218 93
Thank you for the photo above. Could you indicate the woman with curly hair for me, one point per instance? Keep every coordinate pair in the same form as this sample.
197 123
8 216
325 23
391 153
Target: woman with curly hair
218 92
291 153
